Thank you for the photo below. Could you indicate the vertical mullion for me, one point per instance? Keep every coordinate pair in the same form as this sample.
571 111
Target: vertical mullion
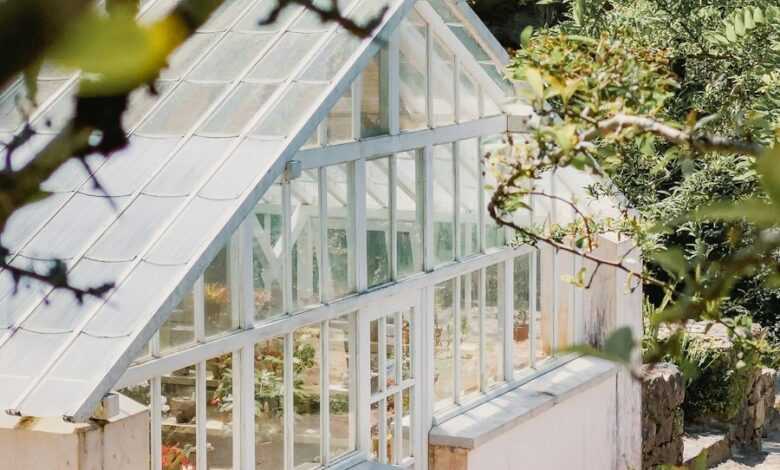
352 251
428 261
456 235
482 337
398 346
393 162
235 279
382 353
359 189
246 275
156 422
507 291
363 380
394 78
325 392
429 76
324 261
456 385
245 392
199 310
532 291
357 97
482 212
287 246
201 443
288 410
382 430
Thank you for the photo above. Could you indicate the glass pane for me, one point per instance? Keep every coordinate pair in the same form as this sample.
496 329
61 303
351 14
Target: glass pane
391 328
332 58
269 404
494 235
489 107
179 329
542 317
494 327
406 424
521 324
374 424
233 114
469 334
187 103
141 101
374 359
468 98
290 110
219 411
267 265
468 181
230 57
278 63
378 220
216 289
141 393
178 419
409 191
373 103
254 20
443 86
443 344
341 279
340 120
390 429
305 222
406 344
413 69
306 397
565 293
185 55
342 392
443 204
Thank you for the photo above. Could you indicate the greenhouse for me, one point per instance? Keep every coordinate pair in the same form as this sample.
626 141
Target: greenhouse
306 272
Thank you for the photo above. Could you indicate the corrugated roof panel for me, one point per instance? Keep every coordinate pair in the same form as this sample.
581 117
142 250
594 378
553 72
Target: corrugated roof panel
231 56
15 300
141 102
191 231
26 221
144 288
332 57
80 218
72 174
135 229
61 311
191 164
26 354
276 64
10 116
233 114
126 171
227 13
187 103
187 54
296 104
253 157
260 11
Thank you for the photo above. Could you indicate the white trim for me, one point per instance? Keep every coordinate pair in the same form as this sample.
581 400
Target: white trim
155 391
201 444
507 304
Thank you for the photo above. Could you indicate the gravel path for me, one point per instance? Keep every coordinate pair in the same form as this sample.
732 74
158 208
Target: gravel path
768 459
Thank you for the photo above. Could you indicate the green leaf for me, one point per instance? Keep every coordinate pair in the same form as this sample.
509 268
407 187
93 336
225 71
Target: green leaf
751 210
534 79
768 166
739 25
749 22
525 36
566 137
617 347
731 35
672 261
758 15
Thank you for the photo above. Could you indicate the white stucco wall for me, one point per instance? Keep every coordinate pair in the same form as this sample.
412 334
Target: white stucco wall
578 433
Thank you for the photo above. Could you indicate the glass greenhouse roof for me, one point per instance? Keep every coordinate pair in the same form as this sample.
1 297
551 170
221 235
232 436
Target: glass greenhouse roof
233 105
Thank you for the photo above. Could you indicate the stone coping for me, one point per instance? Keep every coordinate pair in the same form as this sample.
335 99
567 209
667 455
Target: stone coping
493 418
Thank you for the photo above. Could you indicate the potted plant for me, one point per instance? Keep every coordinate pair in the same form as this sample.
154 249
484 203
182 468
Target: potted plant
175 457
520 327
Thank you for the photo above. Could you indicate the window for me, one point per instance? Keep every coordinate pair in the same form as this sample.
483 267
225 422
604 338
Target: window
409 189
219 412
306 397
267 267
494 327
443 86
469 334
340 275
218 308
339 121
179 419
413 70
521 324
341 389
494 235
305 230
468 185
443 204
179 329
269 404
378 229
373 104
468 98
443 345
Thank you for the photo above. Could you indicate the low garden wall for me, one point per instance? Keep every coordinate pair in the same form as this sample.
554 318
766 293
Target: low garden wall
663 392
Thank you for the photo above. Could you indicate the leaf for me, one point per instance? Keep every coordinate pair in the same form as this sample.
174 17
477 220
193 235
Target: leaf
572 85
534 79
525 36
758 15
751 210
566 137
739 25
749 22
672 261
617 347
731 35
768 166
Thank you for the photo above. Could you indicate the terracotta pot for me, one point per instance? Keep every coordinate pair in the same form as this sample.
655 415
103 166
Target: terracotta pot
520 333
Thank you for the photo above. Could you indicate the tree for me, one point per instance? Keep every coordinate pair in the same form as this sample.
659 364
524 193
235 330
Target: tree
674 102
116 55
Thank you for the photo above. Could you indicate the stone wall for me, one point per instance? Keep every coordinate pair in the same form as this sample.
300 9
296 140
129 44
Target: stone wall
748 427
663 392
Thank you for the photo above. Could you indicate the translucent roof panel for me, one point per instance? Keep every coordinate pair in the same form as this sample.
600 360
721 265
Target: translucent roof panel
236 99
